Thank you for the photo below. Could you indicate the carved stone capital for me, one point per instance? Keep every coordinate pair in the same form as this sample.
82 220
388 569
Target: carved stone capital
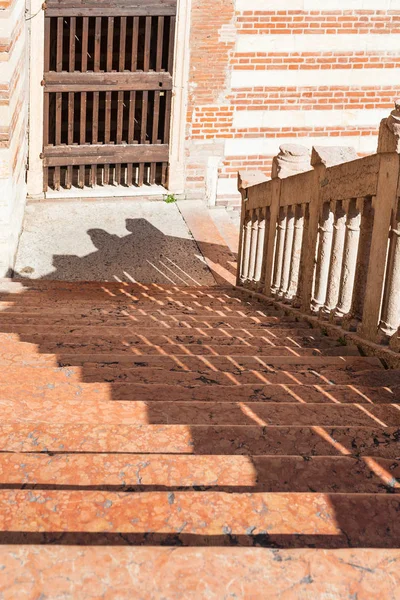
389 131
292 159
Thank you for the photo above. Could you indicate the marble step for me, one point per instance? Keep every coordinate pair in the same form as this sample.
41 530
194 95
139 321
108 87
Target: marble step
215 517
32 380
101 351
171 573
160 321
200 413
328 474
74 310
177 335
126 363
37 377
375 441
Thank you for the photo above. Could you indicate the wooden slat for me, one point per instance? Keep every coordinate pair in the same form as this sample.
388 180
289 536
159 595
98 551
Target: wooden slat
156 111
89 82
82 138
132 95
71 95
168 99
104 153
145 94
120 102
109 66
97 8
95 113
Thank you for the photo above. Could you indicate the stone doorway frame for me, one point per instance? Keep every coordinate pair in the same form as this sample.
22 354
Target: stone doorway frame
35 57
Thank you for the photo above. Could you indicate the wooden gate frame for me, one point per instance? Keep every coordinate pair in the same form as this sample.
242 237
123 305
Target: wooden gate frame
180 78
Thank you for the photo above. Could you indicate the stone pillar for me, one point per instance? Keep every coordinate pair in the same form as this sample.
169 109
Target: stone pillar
288 249
296 251
279 250
390 320
389 131
339 232
259 274
246 242
292 159
253 245
324 257
349 259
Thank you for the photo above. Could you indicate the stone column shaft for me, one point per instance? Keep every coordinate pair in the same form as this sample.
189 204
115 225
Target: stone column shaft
339 234
259 275
349 259
324 257
279 250
287 251
390 320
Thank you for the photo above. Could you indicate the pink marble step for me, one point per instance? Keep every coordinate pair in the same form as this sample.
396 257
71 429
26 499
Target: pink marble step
102 351
159 321
375 441
172 573
295 338
336 474
200 413
33 378
288 519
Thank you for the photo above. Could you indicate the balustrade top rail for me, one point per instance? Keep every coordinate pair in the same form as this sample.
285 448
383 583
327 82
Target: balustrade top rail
325 236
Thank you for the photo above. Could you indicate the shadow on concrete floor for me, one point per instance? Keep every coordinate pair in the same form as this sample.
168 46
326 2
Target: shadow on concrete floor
144 255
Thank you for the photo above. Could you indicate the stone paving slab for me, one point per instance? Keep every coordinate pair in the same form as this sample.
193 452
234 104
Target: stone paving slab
117 240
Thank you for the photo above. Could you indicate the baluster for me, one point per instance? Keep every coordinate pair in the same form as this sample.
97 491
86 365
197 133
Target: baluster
390 321
287 252
244 271
363 258
253 245
335 269
305 210
260 259
279 250
324 257
296 251
349 259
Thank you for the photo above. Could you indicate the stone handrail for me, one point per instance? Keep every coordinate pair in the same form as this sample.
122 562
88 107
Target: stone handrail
323 235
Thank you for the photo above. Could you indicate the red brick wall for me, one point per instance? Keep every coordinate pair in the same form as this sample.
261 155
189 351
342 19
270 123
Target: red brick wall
218 108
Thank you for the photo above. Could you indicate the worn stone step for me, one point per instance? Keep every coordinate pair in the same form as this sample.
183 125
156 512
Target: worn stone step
295 338
172 573
104 350
201 413
73 310
249 440
162 321
316 392
33 379
225 518
328 474
221 363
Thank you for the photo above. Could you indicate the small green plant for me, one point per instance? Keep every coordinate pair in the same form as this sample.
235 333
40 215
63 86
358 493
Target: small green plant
324 331
342 341
169 199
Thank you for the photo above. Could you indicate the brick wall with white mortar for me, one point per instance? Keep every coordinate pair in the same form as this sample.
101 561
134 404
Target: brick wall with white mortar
263 73
13 126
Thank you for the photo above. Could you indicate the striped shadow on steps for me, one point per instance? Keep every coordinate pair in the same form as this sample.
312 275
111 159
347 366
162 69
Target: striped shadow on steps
168 417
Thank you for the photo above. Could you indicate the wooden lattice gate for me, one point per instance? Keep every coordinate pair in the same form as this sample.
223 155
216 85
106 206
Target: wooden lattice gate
107 92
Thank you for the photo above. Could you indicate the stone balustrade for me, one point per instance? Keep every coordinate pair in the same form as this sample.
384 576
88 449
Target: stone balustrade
323 235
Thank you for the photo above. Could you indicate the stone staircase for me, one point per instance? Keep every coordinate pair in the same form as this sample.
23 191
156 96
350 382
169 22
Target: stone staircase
165 442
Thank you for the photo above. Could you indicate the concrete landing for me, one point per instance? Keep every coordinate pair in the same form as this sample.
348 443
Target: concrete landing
120 240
